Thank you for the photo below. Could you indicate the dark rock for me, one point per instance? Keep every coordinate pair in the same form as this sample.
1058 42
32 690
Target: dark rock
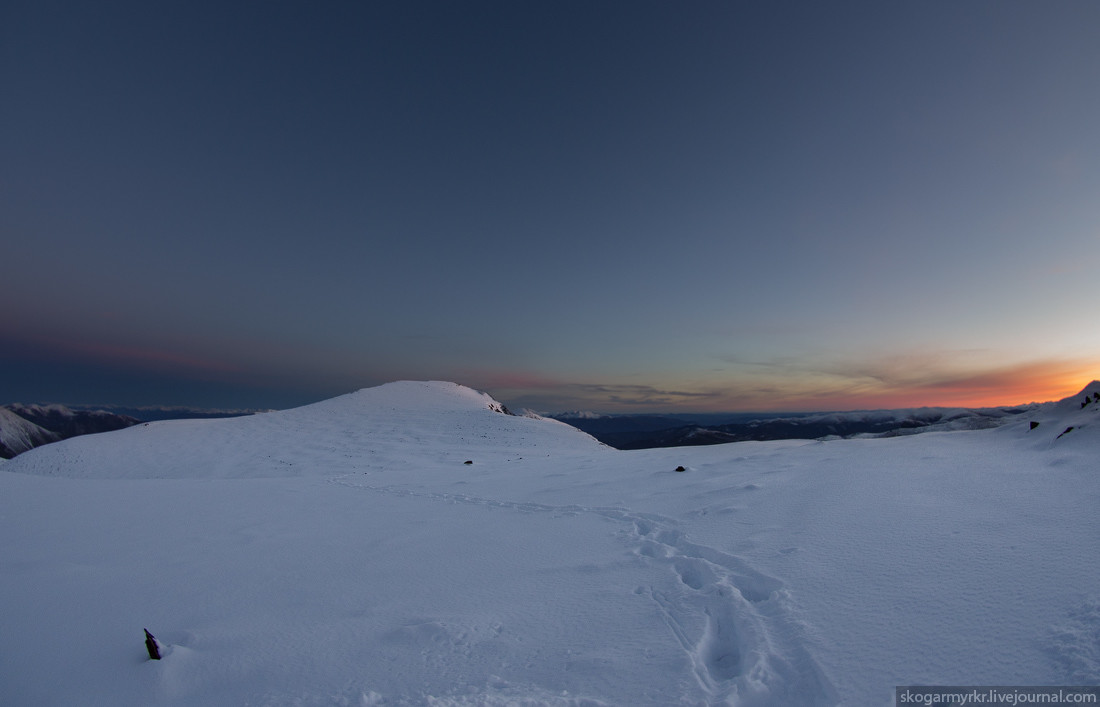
151 645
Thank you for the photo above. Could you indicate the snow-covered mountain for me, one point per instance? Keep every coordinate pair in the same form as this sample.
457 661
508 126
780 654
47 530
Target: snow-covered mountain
414 420
17 434
24 427
412 544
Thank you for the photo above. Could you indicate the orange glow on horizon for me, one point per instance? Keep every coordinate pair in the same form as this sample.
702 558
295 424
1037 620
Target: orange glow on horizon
811 391
1017 385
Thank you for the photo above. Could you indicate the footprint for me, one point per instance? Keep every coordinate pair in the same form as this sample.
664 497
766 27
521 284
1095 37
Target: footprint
694 573
720 648
753 585
729 619
648 548
1076 643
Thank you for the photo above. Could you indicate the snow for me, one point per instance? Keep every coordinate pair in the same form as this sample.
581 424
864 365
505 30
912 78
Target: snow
17 435
343 553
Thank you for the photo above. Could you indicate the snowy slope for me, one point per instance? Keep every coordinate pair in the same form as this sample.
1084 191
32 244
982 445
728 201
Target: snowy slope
17 434
436 421
344 553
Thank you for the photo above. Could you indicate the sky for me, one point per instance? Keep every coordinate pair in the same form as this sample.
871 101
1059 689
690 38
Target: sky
612 206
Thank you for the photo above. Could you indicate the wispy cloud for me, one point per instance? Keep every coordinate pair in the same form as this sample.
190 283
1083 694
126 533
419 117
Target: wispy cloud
960 377
964 378
541 392
640 395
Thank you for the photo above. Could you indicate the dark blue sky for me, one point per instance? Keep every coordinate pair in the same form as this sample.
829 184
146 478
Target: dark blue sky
610 205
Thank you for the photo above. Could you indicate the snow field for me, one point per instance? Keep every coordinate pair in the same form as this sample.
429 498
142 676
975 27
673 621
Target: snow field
343 553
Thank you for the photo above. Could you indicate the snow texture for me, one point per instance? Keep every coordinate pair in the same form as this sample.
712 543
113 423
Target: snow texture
343 553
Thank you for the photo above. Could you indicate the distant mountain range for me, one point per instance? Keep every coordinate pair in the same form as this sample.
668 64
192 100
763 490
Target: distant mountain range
24 427
649 431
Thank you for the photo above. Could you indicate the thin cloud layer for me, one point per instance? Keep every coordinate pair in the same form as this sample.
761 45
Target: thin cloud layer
787 384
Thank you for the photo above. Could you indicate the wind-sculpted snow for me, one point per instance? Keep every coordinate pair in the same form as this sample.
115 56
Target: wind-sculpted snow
345 554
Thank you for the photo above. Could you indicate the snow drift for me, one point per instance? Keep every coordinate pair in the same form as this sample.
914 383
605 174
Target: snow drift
346 553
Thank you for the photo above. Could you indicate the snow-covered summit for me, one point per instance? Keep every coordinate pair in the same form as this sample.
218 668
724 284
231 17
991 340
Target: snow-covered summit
1070 423
443 422
1088 395
421 396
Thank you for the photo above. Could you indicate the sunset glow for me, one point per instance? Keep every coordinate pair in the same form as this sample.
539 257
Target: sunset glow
618 207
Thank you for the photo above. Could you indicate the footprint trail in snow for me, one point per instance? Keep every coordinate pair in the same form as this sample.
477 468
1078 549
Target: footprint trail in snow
731 621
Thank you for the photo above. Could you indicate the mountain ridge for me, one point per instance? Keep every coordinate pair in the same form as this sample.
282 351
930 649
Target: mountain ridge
652 431
24 427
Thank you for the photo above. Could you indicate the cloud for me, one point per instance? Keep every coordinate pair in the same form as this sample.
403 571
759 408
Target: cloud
933 378
638 395
971 378
541 392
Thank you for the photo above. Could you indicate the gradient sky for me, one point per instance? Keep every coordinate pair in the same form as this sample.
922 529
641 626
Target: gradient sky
615 206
